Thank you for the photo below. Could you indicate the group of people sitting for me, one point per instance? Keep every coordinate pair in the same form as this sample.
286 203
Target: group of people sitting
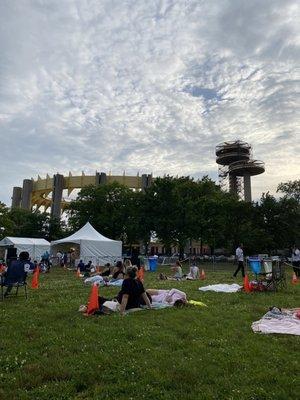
107 272
178 274
133 295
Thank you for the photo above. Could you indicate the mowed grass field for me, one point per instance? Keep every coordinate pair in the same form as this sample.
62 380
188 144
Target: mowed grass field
50 351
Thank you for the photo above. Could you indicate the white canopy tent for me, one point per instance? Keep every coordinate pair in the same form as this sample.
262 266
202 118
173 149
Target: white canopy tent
92 245
35 247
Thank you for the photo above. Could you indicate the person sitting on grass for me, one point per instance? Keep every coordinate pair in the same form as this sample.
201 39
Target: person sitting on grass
106 270
81 265
132 294
2 267
89 266
194 273
118 271
177 269
127 263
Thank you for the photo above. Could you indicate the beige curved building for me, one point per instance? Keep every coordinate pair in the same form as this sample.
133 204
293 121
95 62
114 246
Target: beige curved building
48 192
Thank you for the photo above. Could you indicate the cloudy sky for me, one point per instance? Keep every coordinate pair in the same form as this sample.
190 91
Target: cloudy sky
148 86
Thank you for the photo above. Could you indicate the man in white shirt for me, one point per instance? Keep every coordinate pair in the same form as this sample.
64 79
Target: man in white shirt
240 259
296 260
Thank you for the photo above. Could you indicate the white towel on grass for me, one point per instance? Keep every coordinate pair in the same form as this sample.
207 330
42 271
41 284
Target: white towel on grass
222 287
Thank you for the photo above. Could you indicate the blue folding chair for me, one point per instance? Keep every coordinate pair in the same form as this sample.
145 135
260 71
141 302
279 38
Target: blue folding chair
255 265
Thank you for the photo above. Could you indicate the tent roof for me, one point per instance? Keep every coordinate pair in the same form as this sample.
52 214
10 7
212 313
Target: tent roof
10 240
87 232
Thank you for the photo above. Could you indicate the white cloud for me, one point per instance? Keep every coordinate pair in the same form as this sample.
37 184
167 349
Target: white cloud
147 86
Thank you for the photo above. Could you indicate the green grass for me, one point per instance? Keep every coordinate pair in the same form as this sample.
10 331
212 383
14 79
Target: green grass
50 351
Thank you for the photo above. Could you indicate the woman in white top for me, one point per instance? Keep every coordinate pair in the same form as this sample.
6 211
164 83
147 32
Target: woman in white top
194 273
177 270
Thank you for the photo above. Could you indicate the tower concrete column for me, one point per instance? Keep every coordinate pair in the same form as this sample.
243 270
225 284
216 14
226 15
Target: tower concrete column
57 192
101 178
247 188
146 181
26 194
149 180
16 197
233 184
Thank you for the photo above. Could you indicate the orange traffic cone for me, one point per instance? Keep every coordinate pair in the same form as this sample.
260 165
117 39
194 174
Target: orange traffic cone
141 274
202 275
78 273
93 304
294 279
246 284
35 278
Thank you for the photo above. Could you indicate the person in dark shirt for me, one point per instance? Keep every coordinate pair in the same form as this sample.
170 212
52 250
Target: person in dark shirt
81 266
118 271
132 293
106 270
88 266
17 271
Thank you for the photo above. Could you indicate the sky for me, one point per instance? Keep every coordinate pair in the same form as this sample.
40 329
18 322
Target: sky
148 86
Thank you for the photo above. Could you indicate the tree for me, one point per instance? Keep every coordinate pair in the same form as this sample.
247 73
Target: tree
55 228
6 225
109 208
291 189
280 221
25 223
184 209
161 204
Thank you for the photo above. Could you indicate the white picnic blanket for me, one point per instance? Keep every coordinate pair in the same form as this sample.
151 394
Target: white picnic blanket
98 279
222 287
95 279
284 321
117 282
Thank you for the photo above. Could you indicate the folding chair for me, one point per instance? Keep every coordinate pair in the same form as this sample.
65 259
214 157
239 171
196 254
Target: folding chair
277 279
255 265
17 285
268 265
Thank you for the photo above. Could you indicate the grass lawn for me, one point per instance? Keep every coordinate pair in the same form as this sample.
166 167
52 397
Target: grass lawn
50 351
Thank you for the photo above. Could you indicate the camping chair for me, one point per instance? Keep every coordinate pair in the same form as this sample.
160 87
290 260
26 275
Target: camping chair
268 265
17 284
255 265
277 278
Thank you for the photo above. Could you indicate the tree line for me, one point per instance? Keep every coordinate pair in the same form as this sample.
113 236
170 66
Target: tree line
175 210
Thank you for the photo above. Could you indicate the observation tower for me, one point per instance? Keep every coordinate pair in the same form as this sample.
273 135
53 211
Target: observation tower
236 166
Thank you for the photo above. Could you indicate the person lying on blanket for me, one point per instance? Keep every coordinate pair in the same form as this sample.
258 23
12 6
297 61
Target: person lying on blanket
173 297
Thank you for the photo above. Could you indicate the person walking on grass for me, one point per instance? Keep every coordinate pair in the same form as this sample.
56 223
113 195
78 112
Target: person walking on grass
239 253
